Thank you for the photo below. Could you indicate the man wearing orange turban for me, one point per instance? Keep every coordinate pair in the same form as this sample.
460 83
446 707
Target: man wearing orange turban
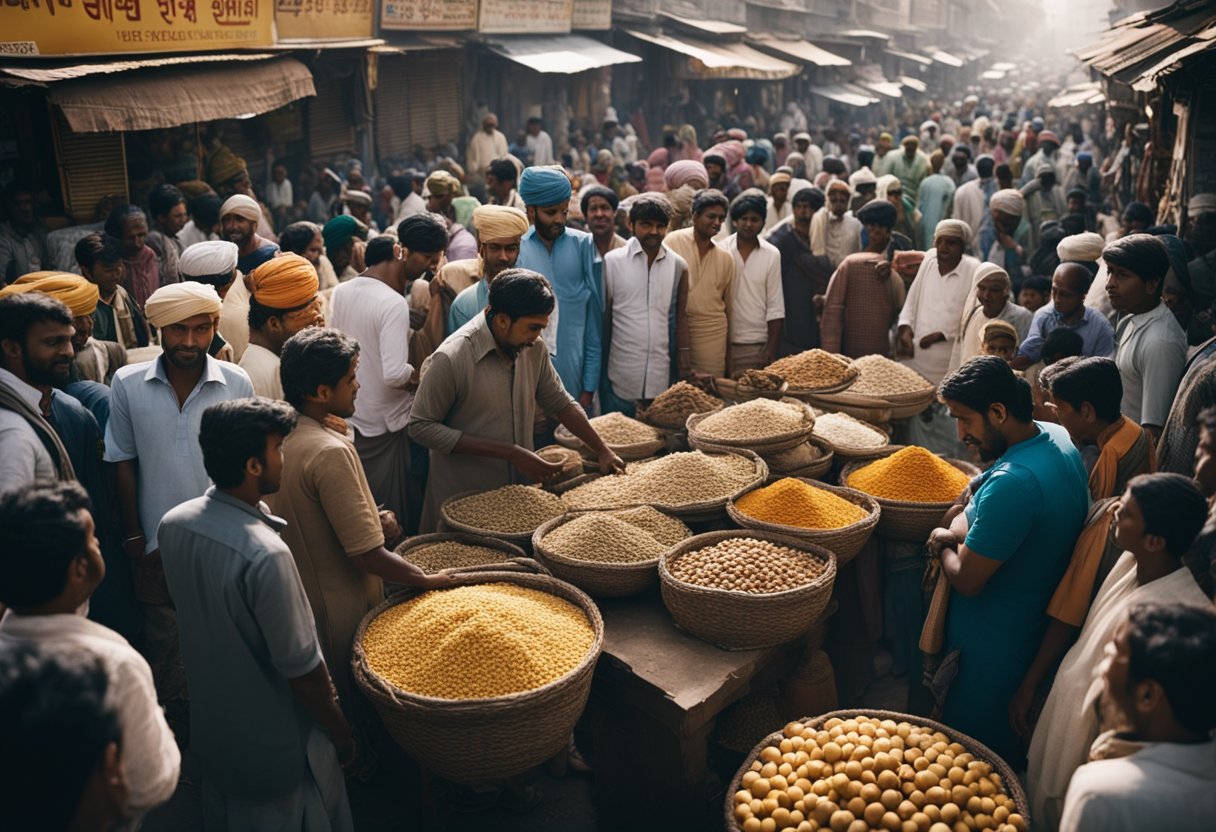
282 301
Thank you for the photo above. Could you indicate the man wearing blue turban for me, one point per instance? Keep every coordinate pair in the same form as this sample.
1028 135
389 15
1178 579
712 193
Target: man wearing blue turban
567 257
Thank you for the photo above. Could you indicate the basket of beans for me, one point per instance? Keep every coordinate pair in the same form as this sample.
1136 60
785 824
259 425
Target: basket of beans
744 590
914 486
509 513
628 438
849 437
838 519
670 409
458 552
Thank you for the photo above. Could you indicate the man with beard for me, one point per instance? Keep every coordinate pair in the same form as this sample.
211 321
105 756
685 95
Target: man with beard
711 279
167 206
501 228
458 412
758 303
213 263
283 300
599 206
239 218
156 408
803 275
1004 552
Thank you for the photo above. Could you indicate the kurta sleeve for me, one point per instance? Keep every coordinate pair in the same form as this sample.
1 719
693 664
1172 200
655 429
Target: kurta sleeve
551 394
1161 373
1032 346
120 435
775 305
342 492
436 394
594 330
394 334
831 322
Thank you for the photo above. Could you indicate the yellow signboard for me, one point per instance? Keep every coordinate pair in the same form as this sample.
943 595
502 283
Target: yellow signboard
324 18
525 16
428 15
99 27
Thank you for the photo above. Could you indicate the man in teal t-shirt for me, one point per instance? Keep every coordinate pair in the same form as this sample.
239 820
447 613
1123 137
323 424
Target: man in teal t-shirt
1004 554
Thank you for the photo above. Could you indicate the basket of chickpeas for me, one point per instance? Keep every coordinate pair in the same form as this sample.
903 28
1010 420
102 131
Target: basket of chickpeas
746 589
856 771
482 680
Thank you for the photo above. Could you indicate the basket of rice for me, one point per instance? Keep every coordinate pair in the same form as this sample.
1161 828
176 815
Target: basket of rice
815 371
836 518
608 553
456 552
628 438
749 589
483 680
850 438
670 409
883 383
914 486
763 425
510 513
691 485
860 770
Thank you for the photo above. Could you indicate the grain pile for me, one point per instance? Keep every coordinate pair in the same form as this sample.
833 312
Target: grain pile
812 369
671 481
619 429
673 406
862 773
477 642
450 554
756 420
791 502
883 377
600 537
745 564
512 509
667 530
761 380
912 475
843 430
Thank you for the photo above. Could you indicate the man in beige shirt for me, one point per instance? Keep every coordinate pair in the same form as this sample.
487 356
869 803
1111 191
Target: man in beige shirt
486 145
711 277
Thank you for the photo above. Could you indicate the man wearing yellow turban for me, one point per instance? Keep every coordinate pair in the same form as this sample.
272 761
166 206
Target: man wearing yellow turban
282 301
500 229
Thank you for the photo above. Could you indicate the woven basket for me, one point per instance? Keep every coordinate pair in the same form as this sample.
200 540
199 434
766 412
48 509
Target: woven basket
770 444
635 451
844 542
569 458
735 620
642 414
603 580
902 520
977 749
728 388
847 452
838 387
511 554
901 405
816 468
511 537
745 392
907 408
485 739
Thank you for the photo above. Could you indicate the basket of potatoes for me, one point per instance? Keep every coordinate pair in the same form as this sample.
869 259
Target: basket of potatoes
855 771
746 589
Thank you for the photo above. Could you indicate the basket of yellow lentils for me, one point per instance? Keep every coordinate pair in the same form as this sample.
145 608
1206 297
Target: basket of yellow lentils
745 590
608 553
855 771
914 486
761 425
627 437
509 513
838 519
483 680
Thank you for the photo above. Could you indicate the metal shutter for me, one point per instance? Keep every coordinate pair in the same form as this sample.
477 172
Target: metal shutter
330 132
92 166
418 102
392 119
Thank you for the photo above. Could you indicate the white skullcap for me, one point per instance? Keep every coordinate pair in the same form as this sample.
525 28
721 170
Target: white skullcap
952 228
243 206
179 301
1009 201
207 258
1084 248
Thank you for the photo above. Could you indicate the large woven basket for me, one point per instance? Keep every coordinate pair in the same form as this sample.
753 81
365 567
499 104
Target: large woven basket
569 458
642 414
513 557
977 749
769 444
730 389
817 468
634 451
456 526
485 739
850 452
603 580
735 620
844 542
901 520
900 405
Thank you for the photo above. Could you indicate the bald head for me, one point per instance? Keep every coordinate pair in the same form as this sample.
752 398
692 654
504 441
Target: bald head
1069 284
489 123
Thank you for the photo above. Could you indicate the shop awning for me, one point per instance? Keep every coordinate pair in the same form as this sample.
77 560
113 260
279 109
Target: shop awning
1141 47
325 44
709 27
946 58
890 89
724 60
993 74
923 60
843 95
560 54
801 50
401 42
865 34
913 83
1200 42
1077 95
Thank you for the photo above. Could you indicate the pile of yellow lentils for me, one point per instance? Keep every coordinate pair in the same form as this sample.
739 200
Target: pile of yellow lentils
477 642
791 502
512 509
911 475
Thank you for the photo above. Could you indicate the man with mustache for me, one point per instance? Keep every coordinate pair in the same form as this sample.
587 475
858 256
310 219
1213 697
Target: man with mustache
239 217
156 408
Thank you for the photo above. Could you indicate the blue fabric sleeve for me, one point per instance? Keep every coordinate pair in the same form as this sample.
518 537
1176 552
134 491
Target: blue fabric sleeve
1005 510
1032 347
594 330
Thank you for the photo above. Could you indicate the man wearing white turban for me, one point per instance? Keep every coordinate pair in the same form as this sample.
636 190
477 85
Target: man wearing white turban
1087 248
1005 235
239 217
214 262
156 408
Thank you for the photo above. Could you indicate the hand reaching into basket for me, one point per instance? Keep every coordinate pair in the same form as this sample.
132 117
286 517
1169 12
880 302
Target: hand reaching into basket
610 463
533 466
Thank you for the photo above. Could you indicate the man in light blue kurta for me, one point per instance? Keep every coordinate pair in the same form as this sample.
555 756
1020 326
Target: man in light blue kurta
935 198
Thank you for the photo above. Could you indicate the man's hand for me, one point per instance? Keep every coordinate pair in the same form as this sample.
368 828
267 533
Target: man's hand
533 467
882 270
412 384
389 525
931 339
610 463
440 580
586 400
819 301
1019 711
939 540
436 285
347 750
903 342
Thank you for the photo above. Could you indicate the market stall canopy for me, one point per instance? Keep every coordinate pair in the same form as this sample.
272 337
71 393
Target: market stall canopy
559 54
946 58
1144 47
923 60
167 92
913 83
724 60
1077 95
709 27
801 50
844 95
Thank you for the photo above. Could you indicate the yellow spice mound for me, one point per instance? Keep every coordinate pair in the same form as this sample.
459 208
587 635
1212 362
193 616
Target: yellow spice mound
912 475
791 502
477 642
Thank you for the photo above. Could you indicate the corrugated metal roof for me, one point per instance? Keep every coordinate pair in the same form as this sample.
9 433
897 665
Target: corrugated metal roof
801 50
854 97
711 27
559 54
923 60
724 60
18 75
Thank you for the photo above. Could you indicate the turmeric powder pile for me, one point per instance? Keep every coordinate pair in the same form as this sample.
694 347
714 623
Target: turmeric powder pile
911 475
791 502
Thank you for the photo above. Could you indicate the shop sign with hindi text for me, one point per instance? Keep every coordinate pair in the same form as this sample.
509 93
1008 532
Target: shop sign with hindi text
428 15
592 14
324 18
525 16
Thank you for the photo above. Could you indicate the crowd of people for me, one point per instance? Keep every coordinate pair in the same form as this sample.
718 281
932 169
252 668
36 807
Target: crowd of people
219 419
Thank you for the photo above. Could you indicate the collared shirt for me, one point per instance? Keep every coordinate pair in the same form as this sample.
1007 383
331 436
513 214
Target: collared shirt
859 307
262 365
245 629
757 291
642 297
841 237
711 279
147 424
25 459
378 318
1097 335
1150 349
467 304
775 215
935 304
150 754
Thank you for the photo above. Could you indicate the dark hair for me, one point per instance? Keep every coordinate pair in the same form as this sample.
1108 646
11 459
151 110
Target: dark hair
43 533
1175 646
163 199
984 166
379 249
1138 212
56 728
865 158
1002 171
401 185
1173 508
1207 418
1142 254
97 247
603 193
518 293
116 223
297 237
987 380
205 210
422 233
233 432
259 313
834 166
708 198
1062 342
1094 379
504 170
1073 224
20 312
313 357
751 201
812 195
714 159
653 207
877 212
534 120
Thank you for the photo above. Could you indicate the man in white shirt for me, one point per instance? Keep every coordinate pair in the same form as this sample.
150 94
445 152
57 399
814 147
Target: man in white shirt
758 303
645 291
971 199
539 143
283 300
835 232
409 196
486 145
372 308
50 565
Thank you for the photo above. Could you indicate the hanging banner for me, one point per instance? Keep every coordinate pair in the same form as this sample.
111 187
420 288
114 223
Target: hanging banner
93 27
592 14
428 15
324 18
525 16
